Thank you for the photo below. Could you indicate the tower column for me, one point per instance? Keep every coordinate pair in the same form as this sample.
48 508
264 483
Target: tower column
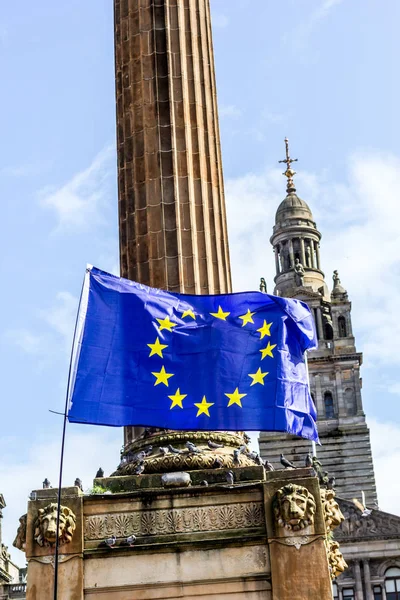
357 574
320 326
291 254
339 391
303 252
367 581
358 390
318 396
317 255
276 260
312 244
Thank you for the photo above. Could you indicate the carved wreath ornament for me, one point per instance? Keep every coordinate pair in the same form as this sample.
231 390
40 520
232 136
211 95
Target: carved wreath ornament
294 507
46 525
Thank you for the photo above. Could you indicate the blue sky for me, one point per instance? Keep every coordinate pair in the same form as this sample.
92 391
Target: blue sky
322 72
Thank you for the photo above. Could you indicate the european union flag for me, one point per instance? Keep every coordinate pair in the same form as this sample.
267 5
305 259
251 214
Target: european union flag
143 356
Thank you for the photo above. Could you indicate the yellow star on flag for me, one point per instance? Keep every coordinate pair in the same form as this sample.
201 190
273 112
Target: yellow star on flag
203 407
265 330
247 318
220 314
166 324
162 376
177 398
235 398
188 313
257 377
267 351
157 348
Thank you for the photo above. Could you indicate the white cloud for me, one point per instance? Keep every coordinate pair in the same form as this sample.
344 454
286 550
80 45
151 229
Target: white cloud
80 202
25 340
360 239
385 442
62 315
298 38
22 472
394 388
220 21
230 110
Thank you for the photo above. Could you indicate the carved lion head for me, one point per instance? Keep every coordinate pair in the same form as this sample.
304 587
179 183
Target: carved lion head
46 525
20 538
333 516
337 564
294 507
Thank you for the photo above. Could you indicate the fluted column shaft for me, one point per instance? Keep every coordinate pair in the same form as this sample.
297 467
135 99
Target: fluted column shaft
173 232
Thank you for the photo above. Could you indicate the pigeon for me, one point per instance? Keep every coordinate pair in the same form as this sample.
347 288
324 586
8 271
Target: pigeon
243 449
324 479
164 451
213 445
110 541
230 477
148 450
192 448
138 470
174 450
246 438
218 463
139 457
100 473
286 463
365 512
309 461
204 483
236 457
46 484
269 466
130 540
331 483
78 483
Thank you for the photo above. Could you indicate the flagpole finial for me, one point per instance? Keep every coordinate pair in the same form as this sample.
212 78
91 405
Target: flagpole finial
289 173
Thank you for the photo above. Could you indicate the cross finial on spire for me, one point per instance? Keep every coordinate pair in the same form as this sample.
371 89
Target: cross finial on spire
289 173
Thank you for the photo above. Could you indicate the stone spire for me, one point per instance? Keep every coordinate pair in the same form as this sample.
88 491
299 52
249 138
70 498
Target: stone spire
172 222
295 241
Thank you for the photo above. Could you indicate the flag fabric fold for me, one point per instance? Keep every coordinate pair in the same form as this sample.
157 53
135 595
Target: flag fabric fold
148 357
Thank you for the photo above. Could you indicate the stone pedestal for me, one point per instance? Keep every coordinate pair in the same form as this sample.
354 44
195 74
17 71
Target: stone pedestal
219 540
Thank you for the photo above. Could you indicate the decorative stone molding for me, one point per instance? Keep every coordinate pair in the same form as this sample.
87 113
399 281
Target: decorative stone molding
46 525
184 520
337 564
20 538
333 516
357 527
51 560
294 507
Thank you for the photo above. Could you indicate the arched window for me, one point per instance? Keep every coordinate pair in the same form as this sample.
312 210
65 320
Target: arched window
392 583
350 401
342 327
328 331
329 408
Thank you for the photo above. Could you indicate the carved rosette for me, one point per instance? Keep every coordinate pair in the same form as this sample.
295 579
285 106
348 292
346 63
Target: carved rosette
162 460
46 525
294 507
337 564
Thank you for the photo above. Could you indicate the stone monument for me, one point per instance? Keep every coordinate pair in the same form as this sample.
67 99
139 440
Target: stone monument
185 513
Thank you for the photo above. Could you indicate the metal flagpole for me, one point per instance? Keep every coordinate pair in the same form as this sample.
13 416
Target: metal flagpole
313 444
67 396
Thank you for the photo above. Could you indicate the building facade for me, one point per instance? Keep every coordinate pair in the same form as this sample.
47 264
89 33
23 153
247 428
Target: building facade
12 578
369 540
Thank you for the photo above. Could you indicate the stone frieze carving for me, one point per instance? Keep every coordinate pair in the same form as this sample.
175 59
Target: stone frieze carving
183 520
376 524
46 525
294 507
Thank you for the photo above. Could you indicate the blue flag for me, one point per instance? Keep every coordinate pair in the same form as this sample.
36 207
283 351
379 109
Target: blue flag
147 357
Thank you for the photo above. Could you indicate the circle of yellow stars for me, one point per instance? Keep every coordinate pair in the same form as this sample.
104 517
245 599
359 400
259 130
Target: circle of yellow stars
203 407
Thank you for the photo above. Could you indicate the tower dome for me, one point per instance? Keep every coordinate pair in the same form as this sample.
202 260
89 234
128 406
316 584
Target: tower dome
295 240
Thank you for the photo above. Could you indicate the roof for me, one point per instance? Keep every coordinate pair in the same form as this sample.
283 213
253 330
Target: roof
293 206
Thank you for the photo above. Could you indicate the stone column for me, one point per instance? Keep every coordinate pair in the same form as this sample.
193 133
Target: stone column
313 261
172 221
318 257
173 232
318 396
367 581
339 390
291 254
319 324
357 387
303 252
359 587
276 260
